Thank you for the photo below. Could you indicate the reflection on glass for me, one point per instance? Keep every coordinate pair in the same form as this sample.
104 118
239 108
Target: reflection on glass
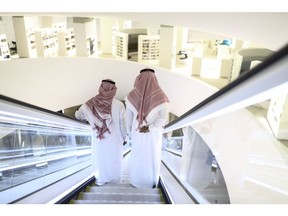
173 141
251 146
196 166
30 151
201 170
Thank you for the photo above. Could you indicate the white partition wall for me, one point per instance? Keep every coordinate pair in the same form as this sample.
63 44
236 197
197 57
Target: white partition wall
167 47
24 35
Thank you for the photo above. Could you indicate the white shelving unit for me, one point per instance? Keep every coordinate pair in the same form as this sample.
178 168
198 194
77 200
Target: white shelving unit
121 49
4 48
236 66
277 116
148 49
66 43
46 42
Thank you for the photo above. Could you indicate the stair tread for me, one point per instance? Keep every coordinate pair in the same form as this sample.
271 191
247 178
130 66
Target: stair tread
122 190
120 196
115 185
113 202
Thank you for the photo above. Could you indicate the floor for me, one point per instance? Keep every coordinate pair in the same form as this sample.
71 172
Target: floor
209 69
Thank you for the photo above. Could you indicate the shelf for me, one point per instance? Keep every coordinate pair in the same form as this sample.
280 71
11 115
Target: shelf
4 48
149 48
46 42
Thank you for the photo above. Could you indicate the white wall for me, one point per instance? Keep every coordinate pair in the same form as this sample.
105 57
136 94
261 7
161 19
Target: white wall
59 83
6 27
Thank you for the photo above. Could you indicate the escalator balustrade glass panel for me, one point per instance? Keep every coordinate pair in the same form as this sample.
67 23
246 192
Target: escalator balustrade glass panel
35 144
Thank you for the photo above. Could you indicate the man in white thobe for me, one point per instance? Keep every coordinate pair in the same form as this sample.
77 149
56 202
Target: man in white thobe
146 114
106 115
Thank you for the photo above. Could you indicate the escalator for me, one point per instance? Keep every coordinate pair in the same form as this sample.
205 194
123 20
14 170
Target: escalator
52 153
119 194
116 193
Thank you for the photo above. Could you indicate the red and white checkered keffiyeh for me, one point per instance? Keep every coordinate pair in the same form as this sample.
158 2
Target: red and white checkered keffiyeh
100 105
146 95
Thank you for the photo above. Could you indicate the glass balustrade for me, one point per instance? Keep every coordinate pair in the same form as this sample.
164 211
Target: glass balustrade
35 145
233 146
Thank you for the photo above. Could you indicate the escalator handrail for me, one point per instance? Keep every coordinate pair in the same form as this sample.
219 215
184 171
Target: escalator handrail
37 108
244 77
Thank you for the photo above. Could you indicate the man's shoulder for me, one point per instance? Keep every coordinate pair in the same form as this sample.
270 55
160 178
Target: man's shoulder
116 101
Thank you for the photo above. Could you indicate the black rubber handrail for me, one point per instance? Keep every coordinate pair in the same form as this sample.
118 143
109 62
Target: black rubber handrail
283 52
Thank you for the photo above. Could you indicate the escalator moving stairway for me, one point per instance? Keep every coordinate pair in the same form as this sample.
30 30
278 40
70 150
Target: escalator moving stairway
124 193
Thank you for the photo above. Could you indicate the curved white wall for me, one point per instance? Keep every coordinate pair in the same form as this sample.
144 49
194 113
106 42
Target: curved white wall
59 83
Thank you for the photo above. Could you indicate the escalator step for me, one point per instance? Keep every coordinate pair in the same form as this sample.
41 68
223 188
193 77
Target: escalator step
112 202
129 197
121 189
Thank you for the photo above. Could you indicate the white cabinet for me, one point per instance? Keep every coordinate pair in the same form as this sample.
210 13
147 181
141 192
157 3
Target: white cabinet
4 48
66 43
46 42
148 49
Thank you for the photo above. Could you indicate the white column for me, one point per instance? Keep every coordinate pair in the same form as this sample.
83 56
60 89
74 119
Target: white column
182 37
85 31
47 22
106 34
167 47
24 34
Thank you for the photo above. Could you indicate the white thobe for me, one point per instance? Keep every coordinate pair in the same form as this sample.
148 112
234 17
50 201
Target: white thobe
145 147
108 153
